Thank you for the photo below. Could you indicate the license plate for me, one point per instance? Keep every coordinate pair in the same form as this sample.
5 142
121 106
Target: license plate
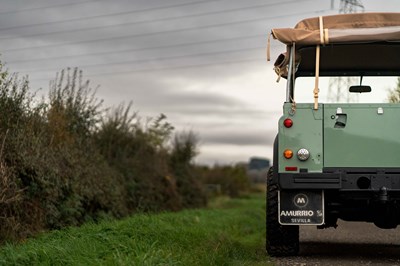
301 207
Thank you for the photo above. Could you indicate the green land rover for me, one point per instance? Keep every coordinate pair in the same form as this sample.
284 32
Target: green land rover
337 160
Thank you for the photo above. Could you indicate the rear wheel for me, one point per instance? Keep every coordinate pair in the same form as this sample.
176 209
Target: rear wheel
282 240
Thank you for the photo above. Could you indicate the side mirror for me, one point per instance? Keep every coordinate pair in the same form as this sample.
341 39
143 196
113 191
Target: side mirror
360 88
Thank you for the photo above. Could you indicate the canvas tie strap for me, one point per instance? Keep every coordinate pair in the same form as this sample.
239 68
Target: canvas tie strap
317 59
326 36
293 109
269 47
321 30
316 89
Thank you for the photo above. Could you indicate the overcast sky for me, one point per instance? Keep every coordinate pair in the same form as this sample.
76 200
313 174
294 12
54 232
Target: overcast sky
200 62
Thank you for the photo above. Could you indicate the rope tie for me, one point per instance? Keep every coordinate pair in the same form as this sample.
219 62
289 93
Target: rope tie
292 110
269 47
279 73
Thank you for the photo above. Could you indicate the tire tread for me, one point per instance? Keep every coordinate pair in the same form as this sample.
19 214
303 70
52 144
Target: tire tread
282 240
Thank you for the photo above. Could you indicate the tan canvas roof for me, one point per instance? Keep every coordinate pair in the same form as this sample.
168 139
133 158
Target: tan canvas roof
345 28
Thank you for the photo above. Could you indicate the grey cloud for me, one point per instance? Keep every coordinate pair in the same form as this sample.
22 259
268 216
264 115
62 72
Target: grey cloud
238 136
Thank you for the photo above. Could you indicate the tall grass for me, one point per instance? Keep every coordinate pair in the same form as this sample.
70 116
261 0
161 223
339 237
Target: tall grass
230 234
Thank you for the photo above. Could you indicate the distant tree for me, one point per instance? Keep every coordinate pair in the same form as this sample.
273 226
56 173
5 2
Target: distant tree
394 94
184 149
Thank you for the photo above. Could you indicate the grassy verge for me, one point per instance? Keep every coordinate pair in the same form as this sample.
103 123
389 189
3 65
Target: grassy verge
230 232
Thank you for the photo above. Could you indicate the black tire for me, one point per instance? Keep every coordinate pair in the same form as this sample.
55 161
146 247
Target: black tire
282 240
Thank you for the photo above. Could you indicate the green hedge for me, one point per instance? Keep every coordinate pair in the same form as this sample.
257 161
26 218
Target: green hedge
65 160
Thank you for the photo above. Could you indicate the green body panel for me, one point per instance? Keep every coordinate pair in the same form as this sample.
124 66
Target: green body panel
341 135
306 132
370 137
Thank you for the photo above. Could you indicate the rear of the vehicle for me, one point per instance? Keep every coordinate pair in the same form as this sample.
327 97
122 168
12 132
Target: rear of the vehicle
335 160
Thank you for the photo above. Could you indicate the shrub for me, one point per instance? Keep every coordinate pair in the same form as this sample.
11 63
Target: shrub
232 180
139 151
184 149
89 187
64 160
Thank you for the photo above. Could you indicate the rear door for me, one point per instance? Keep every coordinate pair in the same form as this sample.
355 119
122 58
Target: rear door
361 135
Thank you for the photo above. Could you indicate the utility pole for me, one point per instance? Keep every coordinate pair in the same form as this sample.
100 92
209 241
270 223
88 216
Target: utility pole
339 85
351 6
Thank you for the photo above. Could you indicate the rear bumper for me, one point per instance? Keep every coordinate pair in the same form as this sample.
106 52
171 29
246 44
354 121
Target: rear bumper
343 179
310 181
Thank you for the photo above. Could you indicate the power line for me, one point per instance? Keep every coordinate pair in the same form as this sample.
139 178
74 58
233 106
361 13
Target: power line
46 7
178 67
170 68
150 20
153 59
160 32
135 49
106 15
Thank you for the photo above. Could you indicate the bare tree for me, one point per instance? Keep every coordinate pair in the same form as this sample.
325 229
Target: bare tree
394 94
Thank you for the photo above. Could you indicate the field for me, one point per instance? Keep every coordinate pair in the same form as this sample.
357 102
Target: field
228 232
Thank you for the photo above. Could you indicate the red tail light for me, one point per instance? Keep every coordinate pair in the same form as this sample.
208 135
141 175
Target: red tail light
288 122
290 168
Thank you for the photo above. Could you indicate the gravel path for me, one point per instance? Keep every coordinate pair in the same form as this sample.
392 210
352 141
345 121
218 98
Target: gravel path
350 244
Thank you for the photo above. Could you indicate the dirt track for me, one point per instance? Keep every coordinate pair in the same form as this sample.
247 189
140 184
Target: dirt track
349 244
